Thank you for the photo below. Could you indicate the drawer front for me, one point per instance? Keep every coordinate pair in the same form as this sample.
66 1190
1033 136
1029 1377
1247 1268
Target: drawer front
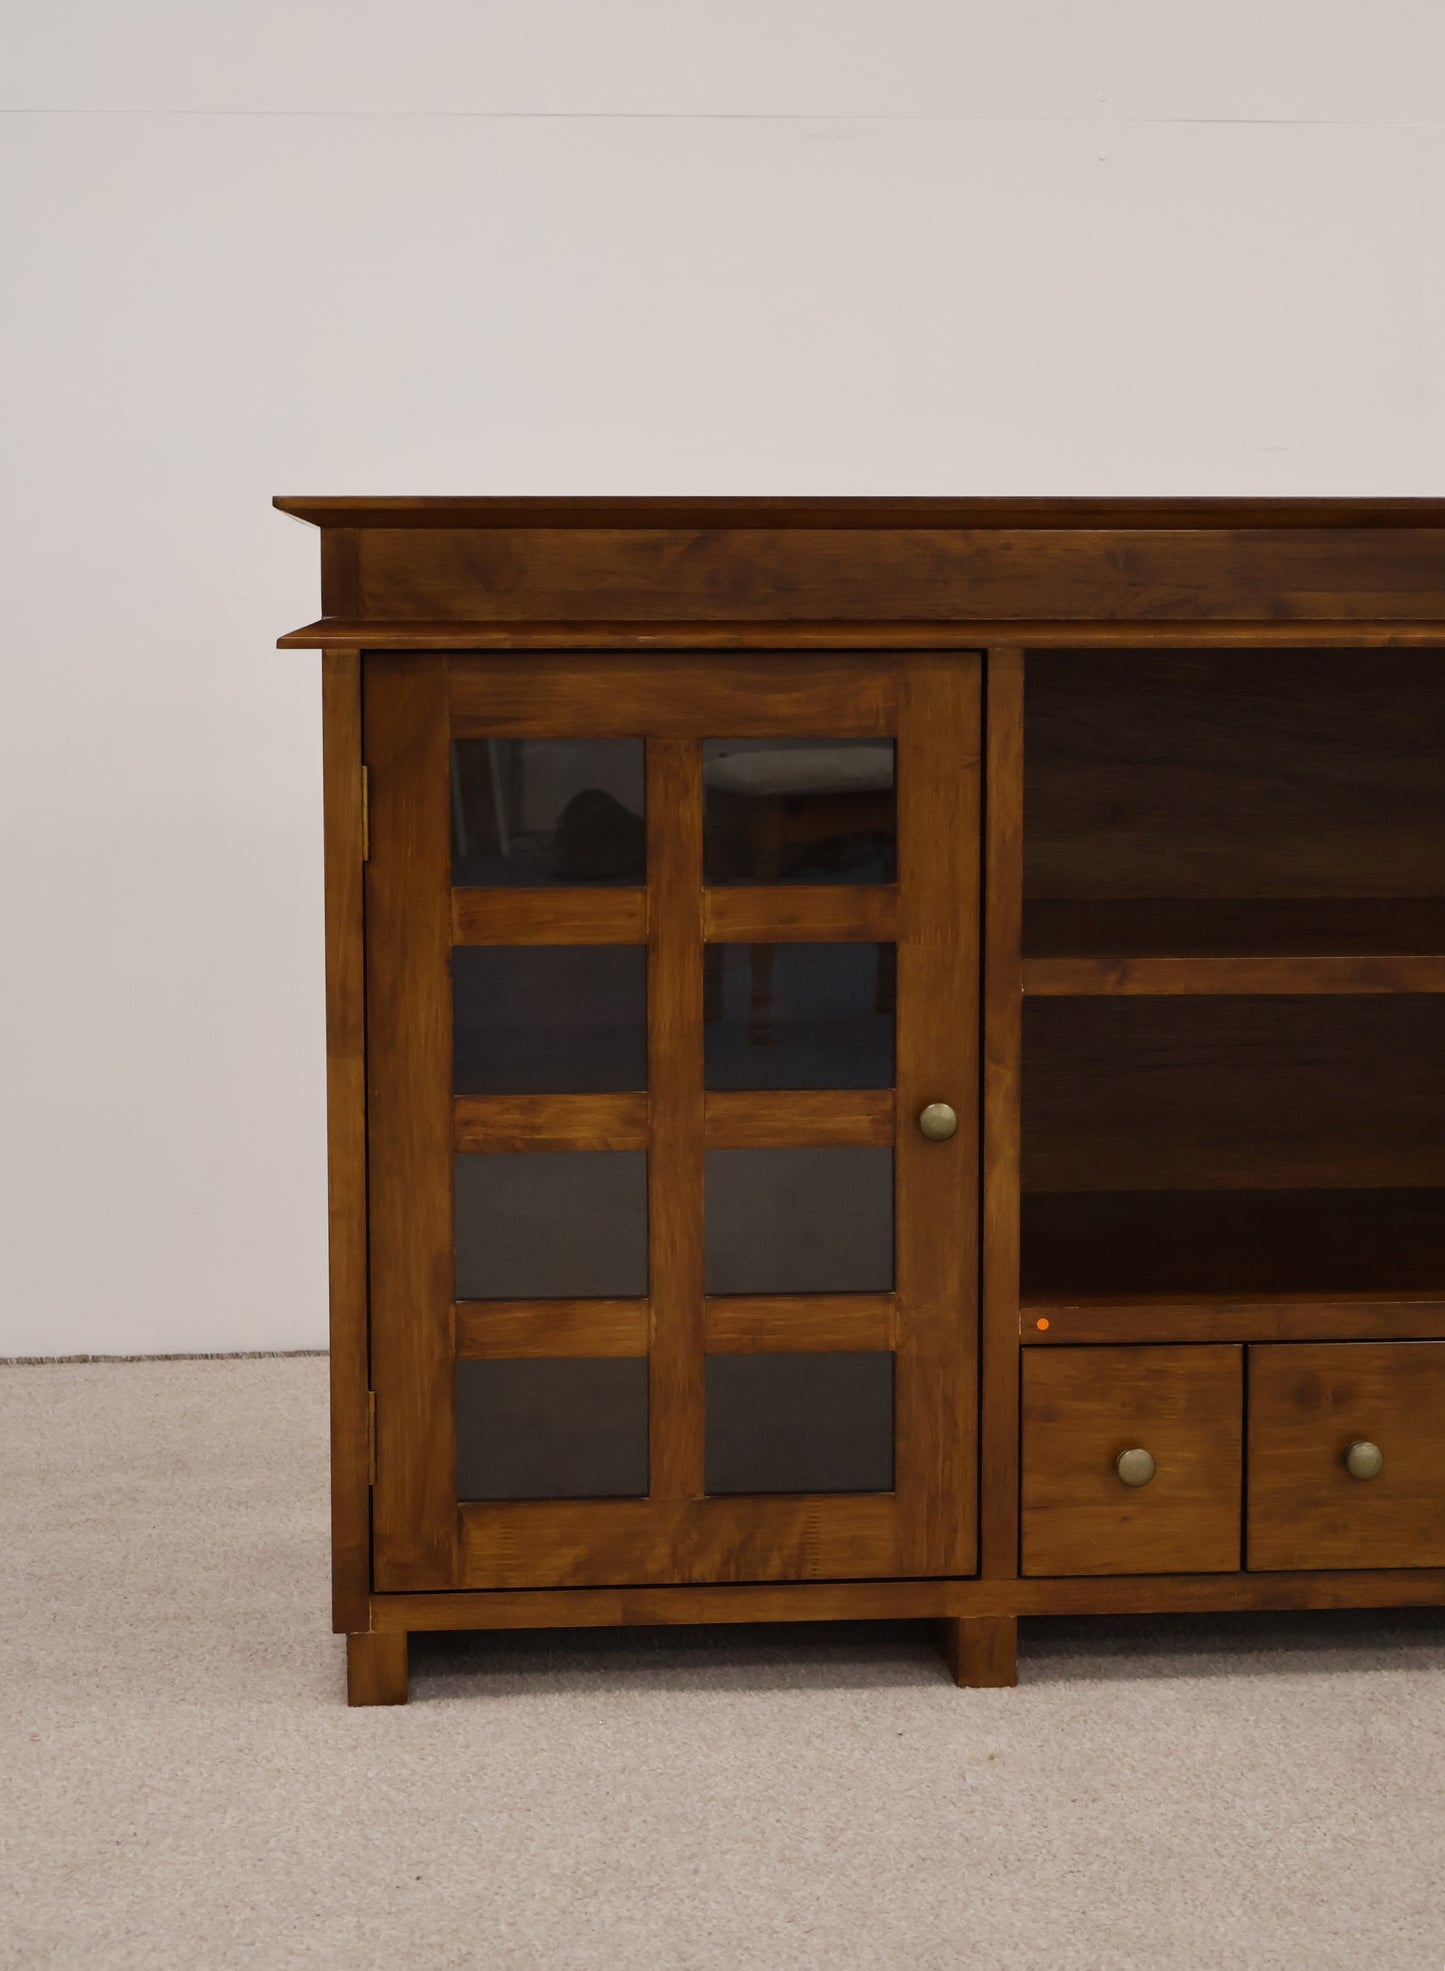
1083 1408
1308 1403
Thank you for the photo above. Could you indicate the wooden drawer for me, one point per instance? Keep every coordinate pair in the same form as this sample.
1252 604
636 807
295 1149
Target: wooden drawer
1082 1407
1308 1403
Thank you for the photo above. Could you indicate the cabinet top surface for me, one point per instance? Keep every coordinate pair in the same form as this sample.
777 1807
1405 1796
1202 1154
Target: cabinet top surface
708 511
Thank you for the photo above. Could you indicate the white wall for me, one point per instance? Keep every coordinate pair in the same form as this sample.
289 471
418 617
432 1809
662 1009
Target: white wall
262 246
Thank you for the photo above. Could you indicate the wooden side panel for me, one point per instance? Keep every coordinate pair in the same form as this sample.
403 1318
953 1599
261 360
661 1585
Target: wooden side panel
786 574
939 820
409 1036
1002 1051
675 1098
346 1137
1307 1405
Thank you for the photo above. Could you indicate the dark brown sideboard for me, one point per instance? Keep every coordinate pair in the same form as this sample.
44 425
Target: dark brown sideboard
886 1059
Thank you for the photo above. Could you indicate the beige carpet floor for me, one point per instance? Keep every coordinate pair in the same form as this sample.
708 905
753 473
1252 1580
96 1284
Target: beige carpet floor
183 1786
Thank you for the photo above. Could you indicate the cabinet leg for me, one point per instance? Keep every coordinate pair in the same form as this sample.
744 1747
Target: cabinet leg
376 1669
982 1650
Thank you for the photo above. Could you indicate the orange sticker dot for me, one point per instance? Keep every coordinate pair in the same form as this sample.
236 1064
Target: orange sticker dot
1041 1322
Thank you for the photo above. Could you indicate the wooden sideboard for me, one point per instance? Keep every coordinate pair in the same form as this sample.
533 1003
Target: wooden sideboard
886 1059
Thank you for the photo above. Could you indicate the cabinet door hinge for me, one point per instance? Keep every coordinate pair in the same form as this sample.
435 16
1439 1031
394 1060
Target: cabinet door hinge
371 1437
366 814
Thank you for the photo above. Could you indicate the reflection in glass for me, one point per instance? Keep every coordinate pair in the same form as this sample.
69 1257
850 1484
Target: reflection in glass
551 1225
799 1423
799 1015
799 1221
565 1429
799 811
548 1019
532 812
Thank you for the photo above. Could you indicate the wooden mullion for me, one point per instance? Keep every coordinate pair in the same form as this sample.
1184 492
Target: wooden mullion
514 1330
825 913
675 1102
781 1324
939 786
409 1097
756 1119
556 916
1002 1051
549 1122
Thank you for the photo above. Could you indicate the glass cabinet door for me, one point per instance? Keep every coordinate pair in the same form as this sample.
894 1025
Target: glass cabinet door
667 957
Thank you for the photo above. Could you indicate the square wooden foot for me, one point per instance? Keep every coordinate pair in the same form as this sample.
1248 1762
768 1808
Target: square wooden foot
376 1669
982 1650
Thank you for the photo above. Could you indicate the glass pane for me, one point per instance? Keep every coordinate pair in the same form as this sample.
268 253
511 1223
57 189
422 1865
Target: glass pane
799 1015
799 811
551 1225
548 1019
799 1221
529 812
799 1423
551 1429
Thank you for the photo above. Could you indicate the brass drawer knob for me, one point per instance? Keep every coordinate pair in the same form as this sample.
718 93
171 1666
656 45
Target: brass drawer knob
1364 1459
938 1122
1135 1467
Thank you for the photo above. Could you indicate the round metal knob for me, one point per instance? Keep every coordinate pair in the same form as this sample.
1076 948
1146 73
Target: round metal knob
1135 1467
938 1122
1364 1460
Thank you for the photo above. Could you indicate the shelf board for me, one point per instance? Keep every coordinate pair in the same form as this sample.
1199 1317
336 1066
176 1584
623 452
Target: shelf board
1226 1317
1171 946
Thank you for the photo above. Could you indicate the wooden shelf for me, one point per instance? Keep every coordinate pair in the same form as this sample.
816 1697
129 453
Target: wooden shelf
1247 946
1247 1317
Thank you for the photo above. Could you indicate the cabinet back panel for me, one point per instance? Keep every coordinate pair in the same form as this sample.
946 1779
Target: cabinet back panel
1233 1094
1239 774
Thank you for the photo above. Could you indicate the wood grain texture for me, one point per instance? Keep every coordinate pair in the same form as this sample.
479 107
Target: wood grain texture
1081 1407
346 1137
757 1324
514 1330
1002 1047
881 635
829 913
675 1085
861 1601
410 1108
982 1651
936 1210
1326 1243
1261 1317
555 916
748 1119
612 1542
1074 978
1301 1093
806 510
1216 778
568 695
1247 927
549 1122
376 1668
1307 1405
1118 574
341 571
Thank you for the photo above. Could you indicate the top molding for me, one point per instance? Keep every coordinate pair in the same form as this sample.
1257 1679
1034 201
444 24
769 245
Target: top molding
418 574
706 511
